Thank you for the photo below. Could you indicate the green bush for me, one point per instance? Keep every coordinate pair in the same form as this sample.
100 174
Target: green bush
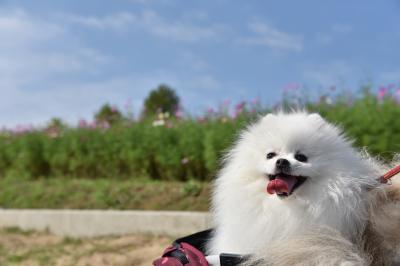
178 149
371 122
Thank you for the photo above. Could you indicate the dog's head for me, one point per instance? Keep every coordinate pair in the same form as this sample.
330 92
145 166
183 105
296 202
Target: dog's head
295 154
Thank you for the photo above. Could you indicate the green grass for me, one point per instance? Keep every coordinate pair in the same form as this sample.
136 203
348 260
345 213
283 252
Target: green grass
17 230
68 193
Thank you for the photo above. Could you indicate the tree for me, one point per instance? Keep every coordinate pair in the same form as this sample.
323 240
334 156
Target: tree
108 114
55 122
54 127
163 99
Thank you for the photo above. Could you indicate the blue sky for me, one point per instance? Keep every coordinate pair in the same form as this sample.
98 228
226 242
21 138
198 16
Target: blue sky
65 58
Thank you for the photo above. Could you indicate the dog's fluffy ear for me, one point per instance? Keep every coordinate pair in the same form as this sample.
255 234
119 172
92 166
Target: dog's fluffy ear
318 120
268 117
316 117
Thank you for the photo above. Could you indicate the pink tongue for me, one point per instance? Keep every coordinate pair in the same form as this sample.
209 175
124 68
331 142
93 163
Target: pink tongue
281 184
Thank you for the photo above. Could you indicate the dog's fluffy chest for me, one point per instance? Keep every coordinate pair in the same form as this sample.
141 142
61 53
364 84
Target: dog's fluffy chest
249 222
256 228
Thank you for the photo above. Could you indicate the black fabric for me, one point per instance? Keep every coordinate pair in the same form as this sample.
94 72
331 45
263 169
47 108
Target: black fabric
228 259
199 240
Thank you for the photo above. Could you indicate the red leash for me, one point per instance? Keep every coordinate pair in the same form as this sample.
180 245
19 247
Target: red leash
385 178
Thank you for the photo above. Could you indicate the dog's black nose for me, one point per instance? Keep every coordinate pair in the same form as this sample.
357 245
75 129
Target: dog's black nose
282 164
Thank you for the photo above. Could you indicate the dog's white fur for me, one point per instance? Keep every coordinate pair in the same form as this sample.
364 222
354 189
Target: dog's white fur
335 201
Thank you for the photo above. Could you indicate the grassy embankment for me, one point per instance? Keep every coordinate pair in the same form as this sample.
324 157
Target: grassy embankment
61 193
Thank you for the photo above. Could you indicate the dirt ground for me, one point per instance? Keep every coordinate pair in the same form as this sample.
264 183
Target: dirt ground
34 248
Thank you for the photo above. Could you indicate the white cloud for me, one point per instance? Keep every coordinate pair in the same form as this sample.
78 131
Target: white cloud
193 61
207 82
48 71
33 49
117 21
333 73
18 30
152 23
342 28
179 30
266 35
37 57
336 31
324 38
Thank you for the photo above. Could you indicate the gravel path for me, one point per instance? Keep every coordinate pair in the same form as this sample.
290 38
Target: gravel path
33 248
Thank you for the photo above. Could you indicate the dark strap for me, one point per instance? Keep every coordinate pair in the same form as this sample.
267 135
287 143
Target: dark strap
176 253
199 240
230 259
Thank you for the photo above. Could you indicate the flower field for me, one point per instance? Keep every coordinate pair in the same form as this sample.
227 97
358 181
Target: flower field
181 147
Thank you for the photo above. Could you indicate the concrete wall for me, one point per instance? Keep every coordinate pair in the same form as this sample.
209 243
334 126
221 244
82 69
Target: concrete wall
90 223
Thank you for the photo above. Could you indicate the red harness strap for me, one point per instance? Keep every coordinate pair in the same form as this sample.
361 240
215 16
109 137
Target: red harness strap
385 178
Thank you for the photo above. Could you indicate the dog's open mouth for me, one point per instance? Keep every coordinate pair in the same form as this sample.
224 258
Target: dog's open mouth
283 184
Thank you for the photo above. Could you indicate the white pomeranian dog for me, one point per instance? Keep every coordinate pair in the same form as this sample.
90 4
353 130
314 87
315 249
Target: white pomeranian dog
293 191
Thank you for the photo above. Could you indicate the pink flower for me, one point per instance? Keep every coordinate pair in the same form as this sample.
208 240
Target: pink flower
240 106
255 101
128 104
22 129
397 95
226 102
382 92
178 114
82 123
210 110
93 125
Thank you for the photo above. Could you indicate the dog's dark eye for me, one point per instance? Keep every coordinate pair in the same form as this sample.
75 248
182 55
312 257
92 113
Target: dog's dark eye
271 155
301 157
